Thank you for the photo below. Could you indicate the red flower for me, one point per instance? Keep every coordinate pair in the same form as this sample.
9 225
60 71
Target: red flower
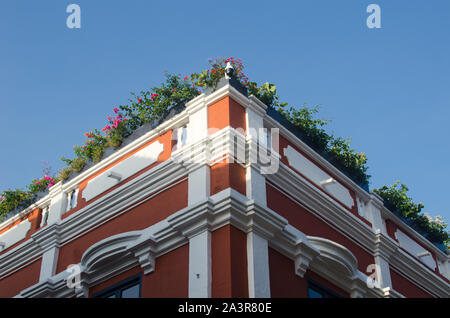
185 78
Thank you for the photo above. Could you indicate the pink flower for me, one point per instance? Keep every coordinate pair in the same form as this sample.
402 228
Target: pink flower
154 96
173 89
185 78
107 127
116 110
140 100
109 118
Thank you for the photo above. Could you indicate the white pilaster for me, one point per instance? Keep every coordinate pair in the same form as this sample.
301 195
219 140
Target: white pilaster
384 274
256 186
256 182
58 204
197 128
373 212
199 184
49 262
200 265
258 266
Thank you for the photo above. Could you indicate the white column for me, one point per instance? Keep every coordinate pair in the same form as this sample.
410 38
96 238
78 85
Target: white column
199 184
256 182
384 274
373 212
58 204
49 262
256 186
258 266
200 265
197 128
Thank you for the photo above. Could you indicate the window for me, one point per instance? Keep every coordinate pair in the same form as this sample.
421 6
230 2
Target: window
317 291
181 137
44 216
129 288
72 199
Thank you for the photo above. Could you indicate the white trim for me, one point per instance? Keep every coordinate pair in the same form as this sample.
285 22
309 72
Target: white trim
126 168
200 265
14 235
258 266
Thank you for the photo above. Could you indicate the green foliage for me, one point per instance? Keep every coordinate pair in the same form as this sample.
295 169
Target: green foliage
396 199
66 161
348 158
337 149
14 199
267 93
93 144
209 78
78 164
96 154
152 104
65 173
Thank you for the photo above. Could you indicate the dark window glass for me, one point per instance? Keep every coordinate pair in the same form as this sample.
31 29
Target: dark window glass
131 292
317 291
130 288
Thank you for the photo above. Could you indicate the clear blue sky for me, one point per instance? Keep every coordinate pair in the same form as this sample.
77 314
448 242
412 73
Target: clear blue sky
387 88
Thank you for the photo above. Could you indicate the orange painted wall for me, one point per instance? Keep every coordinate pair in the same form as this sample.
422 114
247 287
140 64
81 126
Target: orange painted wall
171 276
229 262
284 283
226 112
309 224
227 175
148 213
169 280
406 287
165 139
34 218
12 285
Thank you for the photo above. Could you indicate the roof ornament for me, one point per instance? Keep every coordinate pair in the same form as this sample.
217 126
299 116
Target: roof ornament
229 71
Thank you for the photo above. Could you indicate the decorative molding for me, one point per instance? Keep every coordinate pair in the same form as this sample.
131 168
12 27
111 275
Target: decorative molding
335 255
318 176
123 170
415 249
14 235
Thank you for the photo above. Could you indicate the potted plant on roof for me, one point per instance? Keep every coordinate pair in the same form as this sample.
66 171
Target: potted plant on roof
223 72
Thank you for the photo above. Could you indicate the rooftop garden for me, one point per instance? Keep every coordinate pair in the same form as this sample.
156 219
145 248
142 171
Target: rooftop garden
154 104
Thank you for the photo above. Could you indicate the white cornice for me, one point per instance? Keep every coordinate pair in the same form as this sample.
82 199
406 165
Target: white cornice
73 183
388 215
329 211
319 159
